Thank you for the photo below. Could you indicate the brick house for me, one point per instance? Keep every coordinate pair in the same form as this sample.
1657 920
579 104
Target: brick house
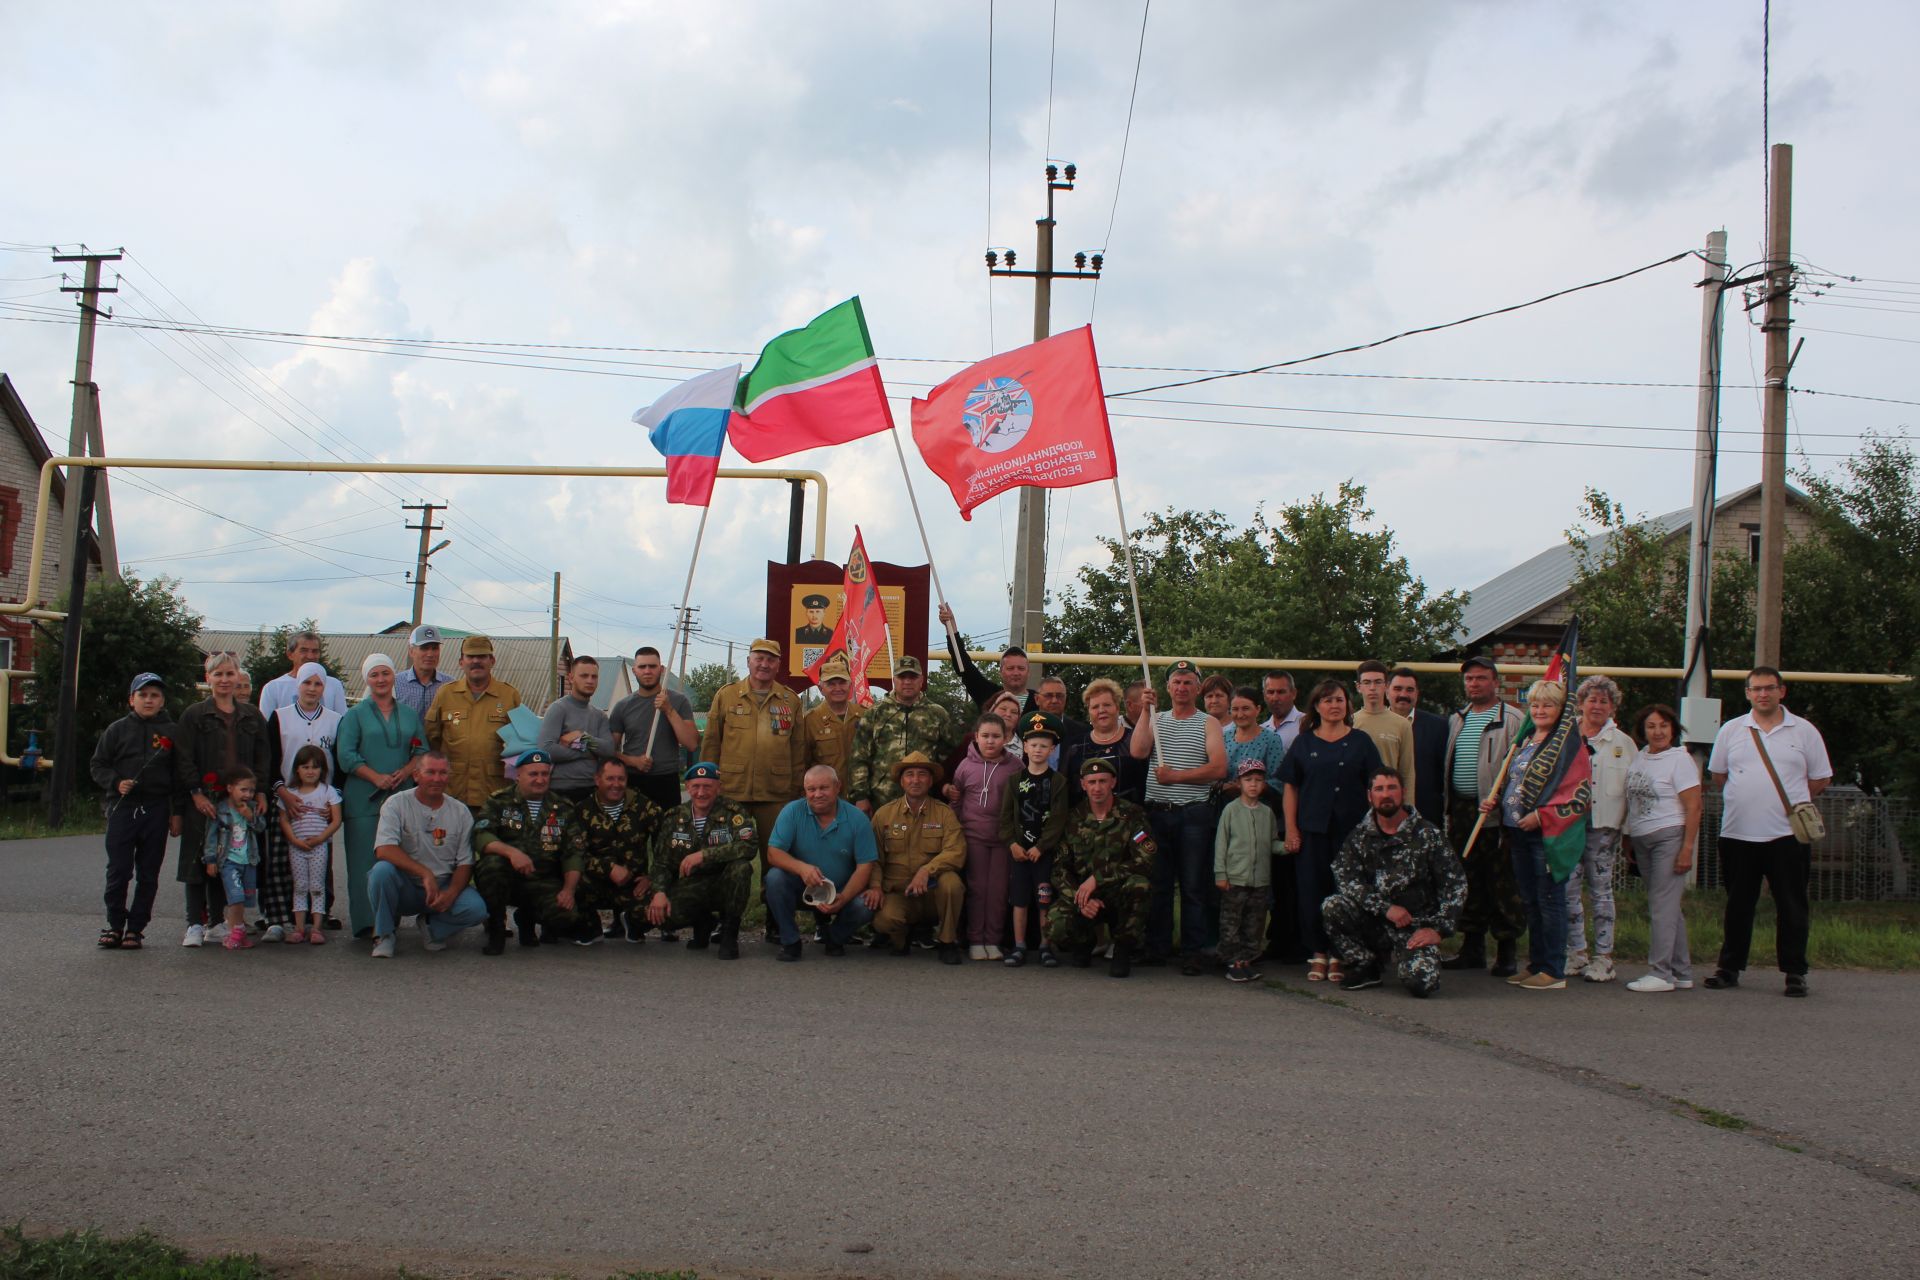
23 451
1517 616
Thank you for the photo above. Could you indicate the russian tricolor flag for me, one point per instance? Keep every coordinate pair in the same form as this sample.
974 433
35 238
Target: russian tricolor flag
688 425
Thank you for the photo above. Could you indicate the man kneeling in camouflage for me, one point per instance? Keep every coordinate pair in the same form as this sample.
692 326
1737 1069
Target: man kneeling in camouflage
1102 873
703 864
619 828
1400 891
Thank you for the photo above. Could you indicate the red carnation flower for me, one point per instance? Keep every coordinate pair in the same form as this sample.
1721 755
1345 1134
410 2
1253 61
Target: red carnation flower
162 742
414 742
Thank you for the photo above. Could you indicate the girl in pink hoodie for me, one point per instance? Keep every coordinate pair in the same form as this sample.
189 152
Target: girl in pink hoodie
979 782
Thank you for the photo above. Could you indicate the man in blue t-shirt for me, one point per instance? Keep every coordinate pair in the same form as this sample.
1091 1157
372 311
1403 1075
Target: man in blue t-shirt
821 841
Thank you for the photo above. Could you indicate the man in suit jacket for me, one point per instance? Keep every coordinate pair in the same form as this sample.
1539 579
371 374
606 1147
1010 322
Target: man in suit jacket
1429 746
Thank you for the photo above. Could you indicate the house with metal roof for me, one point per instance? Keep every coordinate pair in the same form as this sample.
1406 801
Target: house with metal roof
522 661
1517 616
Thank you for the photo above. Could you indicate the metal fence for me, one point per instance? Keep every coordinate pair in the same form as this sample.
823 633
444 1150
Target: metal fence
1869 854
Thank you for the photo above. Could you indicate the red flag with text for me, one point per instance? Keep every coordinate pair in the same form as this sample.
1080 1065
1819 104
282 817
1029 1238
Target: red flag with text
861 634
1033 416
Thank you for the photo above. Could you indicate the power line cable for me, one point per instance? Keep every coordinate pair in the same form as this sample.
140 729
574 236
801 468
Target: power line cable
1126 136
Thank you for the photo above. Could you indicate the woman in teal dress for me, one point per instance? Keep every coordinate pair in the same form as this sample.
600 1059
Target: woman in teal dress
380 738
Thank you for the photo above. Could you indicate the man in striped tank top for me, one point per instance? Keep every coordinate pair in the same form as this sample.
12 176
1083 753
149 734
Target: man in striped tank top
1187 755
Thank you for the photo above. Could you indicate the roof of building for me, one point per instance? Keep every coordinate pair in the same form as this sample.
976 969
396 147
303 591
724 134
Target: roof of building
1541 580
14 409
521 661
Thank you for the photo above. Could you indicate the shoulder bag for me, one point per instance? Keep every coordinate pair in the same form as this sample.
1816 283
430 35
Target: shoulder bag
1808 826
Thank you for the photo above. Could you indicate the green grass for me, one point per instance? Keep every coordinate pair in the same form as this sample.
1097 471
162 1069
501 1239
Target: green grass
1710 1116
1843 935
83 819
88 1255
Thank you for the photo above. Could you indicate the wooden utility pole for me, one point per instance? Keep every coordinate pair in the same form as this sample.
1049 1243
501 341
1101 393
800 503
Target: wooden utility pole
1697 684
1773 415
427 529
553 642
1027 626
102 506
83 394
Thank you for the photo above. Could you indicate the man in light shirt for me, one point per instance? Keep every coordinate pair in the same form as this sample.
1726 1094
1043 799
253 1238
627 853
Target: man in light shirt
1756 836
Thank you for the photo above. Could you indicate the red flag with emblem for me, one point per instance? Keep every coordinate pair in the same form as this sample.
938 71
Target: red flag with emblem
1035 416
861 634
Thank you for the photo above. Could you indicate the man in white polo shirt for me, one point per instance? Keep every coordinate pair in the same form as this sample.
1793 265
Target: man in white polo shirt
1756 838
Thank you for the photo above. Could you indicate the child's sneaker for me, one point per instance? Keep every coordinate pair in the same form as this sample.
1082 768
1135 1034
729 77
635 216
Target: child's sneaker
236 939
1238 972
196 936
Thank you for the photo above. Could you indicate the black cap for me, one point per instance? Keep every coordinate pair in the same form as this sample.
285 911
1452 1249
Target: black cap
1479 660
814 601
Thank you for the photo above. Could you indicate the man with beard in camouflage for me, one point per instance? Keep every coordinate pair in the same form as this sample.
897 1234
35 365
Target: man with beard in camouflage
1102 873
890 731
619 828
1400 891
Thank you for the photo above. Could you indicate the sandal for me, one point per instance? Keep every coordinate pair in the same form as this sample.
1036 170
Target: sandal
1317 969
317 938
109 940
1334 973
131 942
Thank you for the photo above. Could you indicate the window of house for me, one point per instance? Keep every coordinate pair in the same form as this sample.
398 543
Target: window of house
1753 542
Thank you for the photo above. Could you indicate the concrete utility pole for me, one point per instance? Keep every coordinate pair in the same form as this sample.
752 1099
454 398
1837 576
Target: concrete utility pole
102 506
1027 626
79 425
687 627
553 642
1696 688
1773 417
427 529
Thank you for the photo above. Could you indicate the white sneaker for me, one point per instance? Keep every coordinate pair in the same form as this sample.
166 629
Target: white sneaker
427 941
1576 962
1652 982
1600 969
1683 984
994 953
976 952
196 936
217 932
275 933
383 948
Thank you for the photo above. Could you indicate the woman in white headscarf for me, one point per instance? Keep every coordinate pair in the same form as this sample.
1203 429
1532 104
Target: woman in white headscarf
380 739
307 721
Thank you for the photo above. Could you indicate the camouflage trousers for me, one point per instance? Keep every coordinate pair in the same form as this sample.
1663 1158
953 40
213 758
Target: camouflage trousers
1243 912
1493 895
1366 941
1123 910
709 894
599 893
504 888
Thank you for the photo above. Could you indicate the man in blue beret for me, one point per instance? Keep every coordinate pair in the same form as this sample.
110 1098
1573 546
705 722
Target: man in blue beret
531 850
702 870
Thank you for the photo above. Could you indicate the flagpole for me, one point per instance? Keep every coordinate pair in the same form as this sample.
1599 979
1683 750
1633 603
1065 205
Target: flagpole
1499 784
686 594
1139 624
938 591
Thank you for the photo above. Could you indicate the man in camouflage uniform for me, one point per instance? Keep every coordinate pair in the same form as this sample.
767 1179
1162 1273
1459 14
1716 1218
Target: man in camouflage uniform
530 851
829 727
619 827
890 731
703 864
922 850
1400 891
753 738
1102 873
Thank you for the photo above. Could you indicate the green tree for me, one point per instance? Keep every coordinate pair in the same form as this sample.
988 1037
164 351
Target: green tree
1852 603
1316 580
706 680
127 626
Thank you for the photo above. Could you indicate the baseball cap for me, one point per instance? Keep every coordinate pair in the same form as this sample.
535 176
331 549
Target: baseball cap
1479 660
764 645
475 645
144 679
907 665
1252 764
424 634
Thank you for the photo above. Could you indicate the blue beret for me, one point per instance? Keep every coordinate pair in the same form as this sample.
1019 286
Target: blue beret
703 769
535 756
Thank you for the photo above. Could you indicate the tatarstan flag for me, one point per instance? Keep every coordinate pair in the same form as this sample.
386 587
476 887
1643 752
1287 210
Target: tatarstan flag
812 386
1558 781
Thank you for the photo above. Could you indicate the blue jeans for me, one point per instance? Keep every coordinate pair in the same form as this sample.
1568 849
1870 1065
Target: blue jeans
1546 901
241 881
396 894
783 900
1185 837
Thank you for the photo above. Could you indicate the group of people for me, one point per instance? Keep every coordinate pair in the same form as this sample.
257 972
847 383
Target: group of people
1349 834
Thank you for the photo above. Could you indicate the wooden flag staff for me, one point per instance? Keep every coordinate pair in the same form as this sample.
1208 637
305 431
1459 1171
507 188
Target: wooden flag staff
686 594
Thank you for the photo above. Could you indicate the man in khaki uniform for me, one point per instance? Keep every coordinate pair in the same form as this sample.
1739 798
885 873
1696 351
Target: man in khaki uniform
464 724
753 735
922 850
828 728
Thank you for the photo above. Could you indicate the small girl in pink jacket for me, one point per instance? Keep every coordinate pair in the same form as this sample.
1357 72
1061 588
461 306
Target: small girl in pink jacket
979 782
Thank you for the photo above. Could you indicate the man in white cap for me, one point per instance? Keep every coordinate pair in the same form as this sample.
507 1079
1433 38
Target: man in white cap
422 679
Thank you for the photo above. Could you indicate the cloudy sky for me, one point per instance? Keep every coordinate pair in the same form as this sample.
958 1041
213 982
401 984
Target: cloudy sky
669 185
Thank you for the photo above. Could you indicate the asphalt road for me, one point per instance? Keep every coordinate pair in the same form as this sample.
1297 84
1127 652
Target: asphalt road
568 1110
